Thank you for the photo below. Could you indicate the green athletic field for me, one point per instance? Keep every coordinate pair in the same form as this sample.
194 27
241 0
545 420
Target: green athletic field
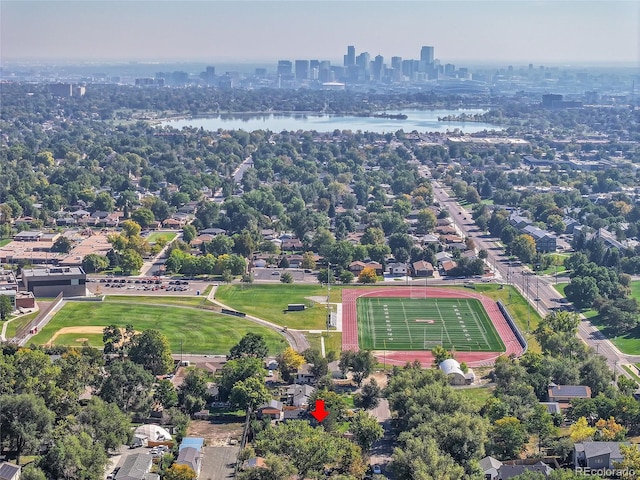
386 323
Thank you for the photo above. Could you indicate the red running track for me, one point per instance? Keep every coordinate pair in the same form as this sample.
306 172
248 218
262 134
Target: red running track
473 359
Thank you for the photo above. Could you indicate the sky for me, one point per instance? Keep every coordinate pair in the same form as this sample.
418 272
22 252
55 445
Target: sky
563 32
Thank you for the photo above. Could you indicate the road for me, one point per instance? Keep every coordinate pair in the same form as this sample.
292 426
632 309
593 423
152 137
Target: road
538 290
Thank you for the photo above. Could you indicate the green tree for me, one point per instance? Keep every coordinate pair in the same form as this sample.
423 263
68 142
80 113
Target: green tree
104 202
151 349
189 233
6 307
346 277
440 354
508 438
127 385
106 424
524 247
286 277
369 398
131 261
276 468
366 430
32 472
420 458
582 291
308 261
94 263
238 370
249 393
251 345
76 457
165 394
25 422
62 245
143 217
194 386
540 424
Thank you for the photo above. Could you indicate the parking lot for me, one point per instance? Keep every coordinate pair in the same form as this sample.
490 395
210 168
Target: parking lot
120 286
274 274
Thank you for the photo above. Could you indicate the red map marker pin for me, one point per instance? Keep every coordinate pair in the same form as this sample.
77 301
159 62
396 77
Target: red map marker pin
320 413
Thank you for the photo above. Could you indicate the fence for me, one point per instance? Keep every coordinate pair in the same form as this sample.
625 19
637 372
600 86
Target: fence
226 311
26 330
512 324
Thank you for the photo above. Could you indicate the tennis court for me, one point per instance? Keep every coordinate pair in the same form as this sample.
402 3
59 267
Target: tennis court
403 323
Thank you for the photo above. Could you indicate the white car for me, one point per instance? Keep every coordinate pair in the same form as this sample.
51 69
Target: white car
377 470
270 373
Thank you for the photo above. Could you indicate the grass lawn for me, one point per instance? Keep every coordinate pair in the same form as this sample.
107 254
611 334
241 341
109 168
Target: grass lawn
197 302
477 396
631 372
518 307
166 236
269 301
5 241
332 341
19 323
420 324
200 331
628 343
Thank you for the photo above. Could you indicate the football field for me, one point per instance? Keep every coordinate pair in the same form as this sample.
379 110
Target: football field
402 323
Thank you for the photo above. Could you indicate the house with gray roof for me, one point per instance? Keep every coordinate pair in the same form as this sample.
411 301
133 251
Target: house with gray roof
490 467
299 395
598 455
545 241
509 471
8 471
190 457
563 394
135 467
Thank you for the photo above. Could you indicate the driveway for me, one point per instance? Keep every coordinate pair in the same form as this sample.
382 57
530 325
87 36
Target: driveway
383 448
218 463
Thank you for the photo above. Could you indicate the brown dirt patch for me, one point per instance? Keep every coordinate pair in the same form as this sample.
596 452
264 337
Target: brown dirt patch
82 339
85 329
218 432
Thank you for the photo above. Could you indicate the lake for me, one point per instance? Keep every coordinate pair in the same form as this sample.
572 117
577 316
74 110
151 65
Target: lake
420 120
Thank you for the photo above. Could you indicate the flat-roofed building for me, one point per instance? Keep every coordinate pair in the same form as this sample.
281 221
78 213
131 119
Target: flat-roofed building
50 282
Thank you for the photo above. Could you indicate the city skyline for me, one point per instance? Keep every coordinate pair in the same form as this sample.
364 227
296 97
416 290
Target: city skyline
577 32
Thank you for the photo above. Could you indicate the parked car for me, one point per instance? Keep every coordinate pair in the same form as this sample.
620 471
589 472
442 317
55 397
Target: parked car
377 470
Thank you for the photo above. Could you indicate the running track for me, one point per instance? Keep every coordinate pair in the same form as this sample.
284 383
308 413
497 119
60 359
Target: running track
473 359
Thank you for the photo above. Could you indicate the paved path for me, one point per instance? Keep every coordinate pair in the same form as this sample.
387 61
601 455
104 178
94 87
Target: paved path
296 338
383 448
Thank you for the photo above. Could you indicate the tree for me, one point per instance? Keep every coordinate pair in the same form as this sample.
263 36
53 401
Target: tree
420 458
179 472
62 245
106 424
508 438
189 233
249 393
369 398
426 221
276 468
127 385
131 261
346 277
104 202
482 254
166 394
540 423
251 345
361 363
238 370
6 307
308 261
151 349
143 217
227 276
192 390
288 363
25 421
31 472
630 464
440 354
366 430
76 457
94 263
582 291
286 277
524 247
609 431
581 431
368 275
130 229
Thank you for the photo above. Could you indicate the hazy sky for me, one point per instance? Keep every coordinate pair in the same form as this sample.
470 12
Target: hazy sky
558 31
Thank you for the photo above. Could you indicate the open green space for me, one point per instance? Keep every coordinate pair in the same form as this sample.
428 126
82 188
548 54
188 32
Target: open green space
196 302
631 371
628 343
18 324
161 236
477 396
393 323
198 331
5 241
332 341
269 301
523 313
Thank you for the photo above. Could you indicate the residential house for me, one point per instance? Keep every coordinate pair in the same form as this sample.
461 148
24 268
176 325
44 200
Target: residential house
135 467
293 413
295 260
255 462
356 267
376 266
398 269
299 395
490 467
213 231
597 455
272 409
9 471
291 244
442 257
430 238
506 472
191 457
304 375
518 221
448 266
173 223
552 407
563 394
422 269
